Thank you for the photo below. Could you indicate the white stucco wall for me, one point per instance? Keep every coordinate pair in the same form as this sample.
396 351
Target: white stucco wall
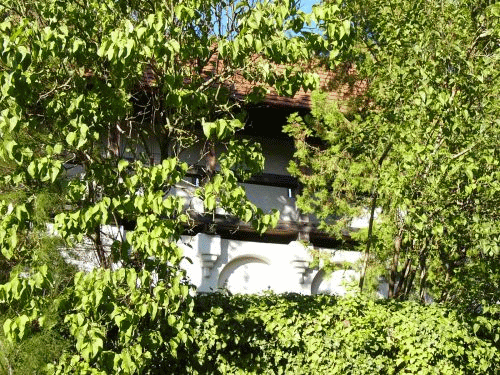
277 153
271 197
243 266
252 267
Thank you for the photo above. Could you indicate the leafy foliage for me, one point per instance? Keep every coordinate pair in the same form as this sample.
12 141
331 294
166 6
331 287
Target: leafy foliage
86 86
297 334
39 346
420 144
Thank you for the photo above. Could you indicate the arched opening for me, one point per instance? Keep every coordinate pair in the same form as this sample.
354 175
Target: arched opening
335 283
245 275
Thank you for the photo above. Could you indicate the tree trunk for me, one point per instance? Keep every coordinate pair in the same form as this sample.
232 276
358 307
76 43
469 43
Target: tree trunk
210 160
366 256
164 145
394 269
370 224
113 142
99 248
409 284
444 293
423 272
403 279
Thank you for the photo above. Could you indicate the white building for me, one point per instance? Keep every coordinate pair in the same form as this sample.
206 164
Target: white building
229 255
232 256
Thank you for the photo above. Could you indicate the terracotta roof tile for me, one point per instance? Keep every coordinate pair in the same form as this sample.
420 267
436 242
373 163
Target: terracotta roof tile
241 87
302 99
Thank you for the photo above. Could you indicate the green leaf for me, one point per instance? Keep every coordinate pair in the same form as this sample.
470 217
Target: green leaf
207 128
248 215
31 169
347 26
21 325
210 202
71 138
122 164
7 327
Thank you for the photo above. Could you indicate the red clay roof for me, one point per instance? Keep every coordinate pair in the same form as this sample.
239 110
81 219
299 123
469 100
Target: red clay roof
301 99
328 81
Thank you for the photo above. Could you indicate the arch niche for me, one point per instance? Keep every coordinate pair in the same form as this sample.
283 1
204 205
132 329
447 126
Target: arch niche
334 283
246 275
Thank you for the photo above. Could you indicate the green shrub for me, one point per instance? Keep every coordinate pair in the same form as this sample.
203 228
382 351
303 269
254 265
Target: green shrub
293 334
31 355
42 345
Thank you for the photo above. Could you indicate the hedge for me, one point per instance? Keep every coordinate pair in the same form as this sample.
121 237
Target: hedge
295 334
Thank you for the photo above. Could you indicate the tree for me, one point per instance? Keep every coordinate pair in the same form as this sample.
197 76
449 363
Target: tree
420 143
88 81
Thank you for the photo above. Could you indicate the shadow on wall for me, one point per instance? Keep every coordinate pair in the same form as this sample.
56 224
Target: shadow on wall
272 197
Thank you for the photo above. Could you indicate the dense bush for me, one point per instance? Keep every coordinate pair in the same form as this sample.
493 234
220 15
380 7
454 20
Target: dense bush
41 346
293 334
